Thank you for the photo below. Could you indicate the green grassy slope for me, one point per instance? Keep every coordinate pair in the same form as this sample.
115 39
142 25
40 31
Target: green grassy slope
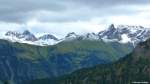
27 62
135 67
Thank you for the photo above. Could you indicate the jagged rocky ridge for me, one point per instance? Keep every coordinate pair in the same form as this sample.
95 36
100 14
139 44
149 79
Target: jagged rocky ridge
30 38
121 33
125 33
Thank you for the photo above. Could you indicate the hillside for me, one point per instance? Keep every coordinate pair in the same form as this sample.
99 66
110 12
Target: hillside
23 62
135 67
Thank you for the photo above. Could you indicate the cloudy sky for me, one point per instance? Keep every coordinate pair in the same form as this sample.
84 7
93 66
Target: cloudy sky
62 16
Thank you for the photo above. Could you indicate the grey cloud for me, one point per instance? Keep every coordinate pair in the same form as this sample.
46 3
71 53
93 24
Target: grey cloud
109 3
21 10
83 14
63 10
30 5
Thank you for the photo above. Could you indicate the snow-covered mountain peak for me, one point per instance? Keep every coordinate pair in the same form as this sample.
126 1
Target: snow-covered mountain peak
47 37
71 35
12 34
28 36
112 26
91 36
26 32
125 33
9 33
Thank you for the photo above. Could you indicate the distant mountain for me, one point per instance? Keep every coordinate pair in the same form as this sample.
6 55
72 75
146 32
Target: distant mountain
134 68
22 62
121 33
47 39
27 36
48 36
13 34
125 33
91 36
30 38
71 35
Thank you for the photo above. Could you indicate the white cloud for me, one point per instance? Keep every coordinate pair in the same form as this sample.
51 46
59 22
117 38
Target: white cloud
11 26
130 20
61 29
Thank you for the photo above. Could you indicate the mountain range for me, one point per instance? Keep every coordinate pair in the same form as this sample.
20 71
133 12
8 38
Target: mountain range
25 57
121 33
